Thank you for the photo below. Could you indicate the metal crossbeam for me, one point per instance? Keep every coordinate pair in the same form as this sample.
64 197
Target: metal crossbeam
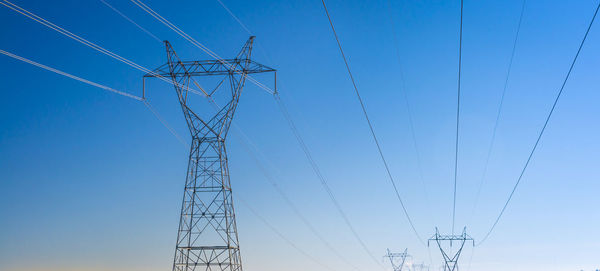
210 67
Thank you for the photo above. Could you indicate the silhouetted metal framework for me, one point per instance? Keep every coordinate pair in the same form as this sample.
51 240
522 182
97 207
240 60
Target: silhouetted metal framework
207 238
451 261
420 267
397 259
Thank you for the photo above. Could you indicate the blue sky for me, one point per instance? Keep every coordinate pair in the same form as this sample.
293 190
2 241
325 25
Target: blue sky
90 180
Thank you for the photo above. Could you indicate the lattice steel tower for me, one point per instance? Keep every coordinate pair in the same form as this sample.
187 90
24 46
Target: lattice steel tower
207 237
451 259
397 259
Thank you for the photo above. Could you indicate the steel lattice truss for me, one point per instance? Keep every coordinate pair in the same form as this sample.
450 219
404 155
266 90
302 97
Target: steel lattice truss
397 259
420 267
207 237
451 261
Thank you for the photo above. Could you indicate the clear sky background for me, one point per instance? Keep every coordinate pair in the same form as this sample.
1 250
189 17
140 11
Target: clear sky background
90 180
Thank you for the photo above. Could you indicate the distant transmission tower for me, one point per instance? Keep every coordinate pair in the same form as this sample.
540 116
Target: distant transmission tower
207 238
397 259
419 267
451 260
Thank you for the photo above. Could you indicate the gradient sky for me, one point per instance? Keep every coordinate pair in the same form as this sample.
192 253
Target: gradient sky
90 180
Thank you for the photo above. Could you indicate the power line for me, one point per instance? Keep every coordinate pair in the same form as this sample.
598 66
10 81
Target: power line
493 139
264 52
122 93
235 17
160 77
404 91
457 116
544 126
245 140
270 179
83 41
130 63
364 110
130 20
280 235
262 168
193 41
322 179
313 164
165 123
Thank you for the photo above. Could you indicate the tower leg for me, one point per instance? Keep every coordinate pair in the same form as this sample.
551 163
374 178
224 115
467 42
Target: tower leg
207 235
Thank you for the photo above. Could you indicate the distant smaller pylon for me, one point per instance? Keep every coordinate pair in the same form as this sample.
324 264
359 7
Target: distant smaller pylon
451 261
420 267
397 259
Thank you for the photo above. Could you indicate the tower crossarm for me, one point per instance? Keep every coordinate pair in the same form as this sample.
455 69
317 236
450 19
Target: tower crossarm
451 237
210 67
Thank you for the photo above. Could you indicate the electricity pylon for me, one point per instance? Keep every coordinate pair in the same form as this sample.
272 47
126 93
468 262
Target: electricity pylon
451 261
397 259
420 267
207 238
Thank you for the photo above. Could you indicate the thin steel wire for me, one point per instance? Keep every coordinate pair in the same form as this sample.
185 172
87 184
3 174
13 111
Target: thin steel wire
122 93
287 116
83 41
280 235
194 42
404 91
271 180
457 116
493 139
235 17
322 179
131 21
364 110
165 123
562 87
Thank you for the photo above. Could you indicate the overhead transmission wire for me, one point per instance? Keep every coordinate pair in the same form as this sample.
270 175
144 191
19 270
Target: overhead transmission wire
499 111
322 179
122 93
189 38
457 116
131 21
165 123
364 110
312 163
83 41
288 118
539 137
404 91
98 48
271 180
235 17
288 241
267 175
245 140
113 55
128 62
282 194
